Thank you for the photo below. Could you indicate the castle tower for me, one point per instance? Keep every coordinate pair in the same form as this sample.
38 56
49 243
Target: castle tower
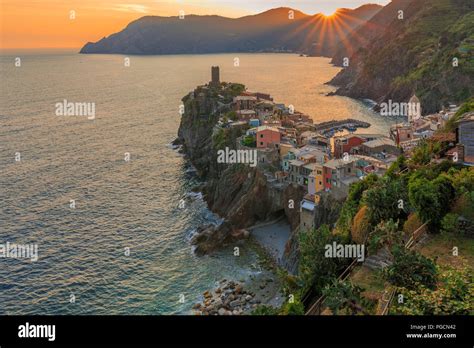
215 76
414 109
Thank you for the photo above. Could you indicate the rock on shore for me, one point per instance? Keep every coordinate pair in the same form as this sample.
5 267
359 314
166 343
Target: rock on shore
210 237
230 298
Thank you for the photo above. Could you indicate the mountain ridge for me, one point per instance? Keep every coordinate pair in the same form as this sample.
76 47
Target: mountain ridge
272 30
415 55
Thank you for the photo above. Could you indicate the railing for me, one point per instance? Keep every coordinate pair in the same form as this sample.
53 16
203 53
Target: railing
416 236
386 307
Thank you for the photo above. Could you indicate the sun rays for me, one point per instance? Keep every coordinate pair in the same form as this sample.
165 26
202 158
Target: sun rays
326 29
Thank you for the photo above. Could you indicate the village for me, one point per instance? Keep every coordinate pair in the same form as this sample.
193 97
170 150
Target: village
292 150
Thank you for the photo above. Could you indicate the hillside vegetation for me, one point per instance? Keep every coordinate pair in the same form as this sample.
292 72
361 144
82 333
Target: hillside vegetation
429 52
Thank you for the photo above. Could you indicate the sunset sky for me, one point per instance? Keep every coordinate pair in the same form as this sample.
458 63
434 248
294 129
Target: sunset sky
47 23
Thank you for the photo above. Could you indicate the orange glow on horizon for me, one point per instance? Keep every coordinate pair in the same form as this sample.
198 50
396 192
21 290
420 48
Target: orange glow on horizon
48 24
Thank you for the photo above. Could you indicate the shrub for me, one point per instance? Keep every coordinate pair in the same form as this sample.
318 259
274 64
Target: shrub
396 167
453 295
449 224
452 223
412 224
265 310
343 296
384 234
422 154
462 180
295 308
249 141
410 269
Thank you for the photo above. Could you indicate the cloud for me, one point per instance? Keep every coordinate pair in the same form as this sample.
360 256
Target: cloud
132 8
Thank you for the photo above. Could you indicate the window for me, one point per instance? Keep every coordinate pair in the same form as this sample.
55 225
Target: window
261 143
261 135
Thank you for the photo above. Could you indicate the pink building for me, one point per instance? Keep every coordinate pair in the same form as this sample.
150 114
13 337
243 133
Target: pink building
267 136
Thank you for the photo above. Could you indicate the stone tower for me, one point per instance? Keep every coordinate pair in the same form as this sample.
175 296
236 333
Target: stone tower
414 109
215 76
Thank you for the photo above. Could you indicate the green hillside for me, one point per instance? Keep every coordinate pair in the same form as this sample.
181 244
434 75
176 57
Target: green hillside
417 54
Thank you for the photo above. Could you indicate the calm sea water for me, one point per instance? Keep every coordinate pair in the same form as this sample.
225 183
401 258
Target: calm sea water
121 204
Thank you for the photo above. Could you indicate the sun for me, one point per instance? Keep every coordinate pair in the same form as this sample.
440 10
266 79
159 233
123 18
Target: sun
328 13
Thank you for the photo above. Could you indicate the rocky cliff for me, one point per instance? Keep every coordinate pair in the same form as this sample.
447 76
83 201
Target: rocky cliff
236 192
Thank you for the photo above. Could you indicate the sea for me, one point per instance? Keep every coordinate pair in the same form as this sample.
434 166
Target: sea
107 200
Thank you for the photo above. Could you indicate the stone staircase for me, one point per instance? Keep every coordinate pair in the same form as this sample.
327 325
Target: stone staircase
379 261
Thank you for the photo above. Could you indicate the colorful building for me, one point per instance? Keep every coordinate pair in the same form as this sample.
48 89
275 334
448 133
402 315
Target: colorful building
267 136
316 179
346 143
254 122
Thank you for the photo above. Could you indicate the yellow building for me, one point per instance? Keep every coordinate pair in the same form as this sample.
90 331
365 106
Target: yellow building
316 180
284 148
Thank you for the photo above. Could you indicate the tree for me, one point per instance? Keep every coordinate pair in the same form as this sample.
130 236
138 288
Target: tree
352 203
431 199
424 198
387 200
316 270
462 180
422 154
446 192
386 233
396 167
360 226
343 296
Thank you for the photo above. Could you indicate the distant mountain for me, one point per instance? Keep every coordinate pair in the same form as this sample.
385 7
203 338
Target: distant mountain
398 57
269 31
